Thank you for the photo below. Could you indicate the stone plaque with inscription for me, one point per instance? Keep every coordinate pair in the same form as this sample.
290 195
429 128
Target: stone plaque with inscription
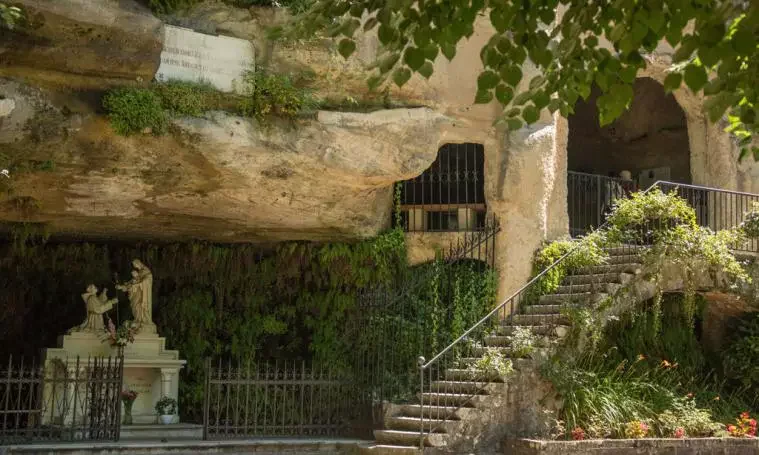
218 60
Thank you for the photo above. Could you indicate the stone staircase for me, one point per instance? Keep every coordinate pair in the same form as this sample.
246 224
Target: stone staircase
454 402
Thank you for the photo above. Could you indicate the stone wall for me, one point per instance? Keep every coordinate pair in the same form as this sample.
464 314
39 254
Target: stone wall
709 446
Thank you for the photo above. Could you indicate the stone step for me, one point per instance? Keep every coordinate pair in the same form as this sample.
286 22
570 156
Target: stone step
596 278
435 412
449 399
549 330
625 259
538 319
458 387
581 298
175 431
587 287
549 308
405 423
387 449
609 268
505 351
407 438
464 373
625 250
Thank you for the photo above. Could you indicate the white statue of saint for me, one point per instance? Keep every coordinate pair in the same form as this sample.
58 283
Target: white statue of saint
140 292
96 305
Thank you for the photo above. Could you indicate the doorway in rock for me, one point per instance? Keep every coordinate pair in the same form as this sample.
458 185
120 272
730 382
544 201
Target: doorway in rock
648 143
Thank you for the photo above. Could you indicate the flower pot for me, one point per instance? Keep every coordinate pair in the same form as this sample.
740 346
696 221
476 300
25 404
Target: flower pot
166 419
128 412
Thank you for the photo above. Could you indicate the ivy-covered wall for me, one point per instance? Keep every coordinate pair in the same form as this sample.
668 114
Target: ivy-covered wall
288 301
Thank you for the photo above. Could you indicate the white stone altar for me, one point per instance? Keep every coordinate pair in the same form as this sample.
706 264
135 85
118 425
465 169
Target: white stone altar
196 57
149 368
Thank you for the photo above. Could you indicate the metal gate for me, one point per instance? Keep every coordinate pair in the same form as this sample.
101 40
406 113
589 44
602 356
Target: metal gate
60 400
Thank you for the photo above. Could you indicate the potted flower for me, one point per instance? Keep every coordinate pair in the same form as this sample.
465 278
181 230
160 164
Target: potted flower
166 408
128 397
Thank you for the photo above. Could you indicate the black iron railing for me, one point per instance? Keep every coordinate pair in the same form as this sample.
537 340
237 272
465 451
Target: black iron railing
450 379
283 398
450 195
60 400
716 209
590 199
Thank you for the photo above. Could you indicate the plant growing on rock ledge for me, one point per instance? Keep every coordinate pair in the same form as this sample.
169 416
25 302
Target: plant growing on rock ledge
269 93
135 110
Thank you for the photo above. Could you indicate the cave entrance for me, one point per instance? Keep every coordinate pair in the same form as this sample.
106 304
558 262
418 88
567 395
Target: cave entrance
649 142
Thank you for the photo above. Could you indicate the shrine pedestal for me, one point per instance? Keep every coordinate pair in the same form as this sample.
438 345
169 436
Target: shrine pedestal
149 368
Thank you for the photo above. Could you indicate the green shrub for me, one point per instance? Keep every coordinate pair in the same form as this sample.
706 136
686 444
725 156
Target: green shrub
132 110
522 342
697 422
750 223
585 252
644 217
492 365
635 373
273 94
187 99
742 357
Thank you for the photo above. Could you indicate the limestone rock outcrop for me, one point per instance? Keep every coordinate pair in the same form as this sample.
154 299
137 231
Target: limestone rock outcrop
217 177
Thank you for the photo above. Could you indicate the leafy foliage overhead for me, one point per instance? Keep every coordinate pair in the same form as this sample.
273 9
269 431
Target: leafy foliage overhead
718 56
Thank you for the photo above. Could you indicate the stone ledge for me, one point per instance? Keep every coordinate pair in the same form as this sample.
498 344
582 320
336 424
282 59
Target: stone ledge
703 446
257 446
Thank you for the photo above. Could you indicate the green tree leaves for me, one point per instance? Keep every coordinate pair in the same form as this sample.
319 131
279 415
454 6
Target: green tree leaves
718 57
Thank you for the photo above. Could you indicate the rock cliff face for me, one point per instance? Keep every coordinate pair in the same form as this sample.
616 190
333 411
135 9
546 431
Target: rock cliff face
217 177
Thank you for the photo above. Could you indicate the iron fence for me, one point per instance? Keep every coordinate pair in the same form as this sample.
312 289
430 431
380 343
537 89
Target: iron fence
295 398
449 195
60 400
453 378
590 199
715 208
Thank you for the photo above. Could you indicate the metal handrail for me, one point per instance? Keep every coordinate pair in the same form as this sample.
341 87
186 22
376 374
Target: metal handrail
425 365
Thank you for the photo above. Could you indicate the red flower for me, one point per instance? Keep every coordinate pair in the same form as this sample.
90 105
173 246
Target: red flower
680 432
745 415
731 428
578 434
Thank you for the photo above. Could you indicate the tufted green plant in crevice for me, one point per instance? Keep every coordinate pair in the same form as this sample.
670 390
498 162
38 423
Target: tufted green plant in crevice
134 110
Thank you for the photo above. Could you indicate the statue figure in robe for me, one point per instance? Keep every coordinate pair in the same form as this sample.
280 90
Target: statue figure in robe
140 292
96 305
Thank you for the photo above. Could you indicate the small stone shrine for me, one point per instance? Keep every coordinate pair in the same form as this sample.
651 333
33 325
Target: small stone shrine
149 368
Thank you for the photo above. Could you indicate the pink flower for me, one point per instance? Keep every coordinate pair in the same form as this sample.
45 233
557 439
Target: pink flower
578 434
680 433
